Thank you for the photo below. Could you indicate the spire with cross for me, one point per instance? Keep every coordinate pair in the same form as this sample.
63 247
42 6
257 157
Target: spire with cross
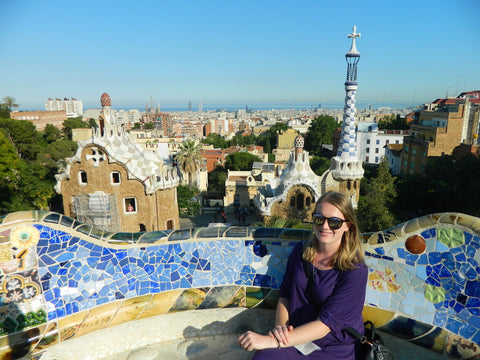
354 35
346 165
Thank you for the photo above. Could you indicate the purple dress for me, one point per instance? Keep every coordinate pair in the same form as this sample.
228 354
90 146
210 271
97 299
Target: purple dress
336 298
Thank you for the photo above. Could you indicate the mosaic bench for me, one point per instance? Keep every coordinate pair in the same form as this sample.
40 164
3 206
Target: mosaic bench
61 280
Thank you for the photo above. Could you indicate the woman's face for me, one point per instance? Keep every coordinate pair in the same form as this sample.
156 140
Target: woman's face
325 235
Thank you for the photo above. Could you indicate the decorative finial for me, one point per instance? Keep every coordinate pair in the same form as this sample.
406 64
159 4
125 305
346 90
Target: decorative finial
354 35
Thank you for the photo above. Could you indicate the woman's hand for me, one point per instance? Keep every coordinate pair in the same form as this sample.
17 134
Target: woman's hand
281 333
253 341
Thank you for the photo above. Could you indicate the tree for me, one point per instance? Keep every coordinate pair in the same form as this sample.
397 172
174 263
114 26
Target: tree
446 186
189 158
320 132
9 102
51 133
8 162
319 164
216 140
92 123
73 123
4 112
187 205
53 155
278 222
379 194
241 161
271 133
392 122
216 180
24 137
32 190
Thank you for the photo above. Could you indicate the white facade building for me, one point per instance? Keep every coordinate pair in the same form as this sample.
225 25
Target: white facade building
371 142
131 116
73 107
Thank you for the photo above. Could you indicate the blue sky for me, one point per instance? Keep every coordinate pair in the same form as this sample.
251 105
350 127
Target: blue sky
234 51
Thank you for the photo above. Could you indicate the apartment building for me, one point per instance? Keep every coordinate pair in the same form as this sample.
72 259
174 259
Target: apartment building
73 107
371 141
41 118
445 124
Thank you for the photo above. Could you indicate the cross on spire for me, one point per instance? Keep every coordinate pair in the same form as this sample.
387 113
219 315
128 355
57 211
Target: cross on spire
354 35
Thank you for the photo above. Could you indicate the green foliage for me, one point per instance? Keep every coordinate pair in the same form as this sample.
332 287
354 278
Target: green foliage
392 122
379 194
216 140
92 123
73 123
189 158
320 132
54 154
24 137
4 112
149 126
137 126
216 180
271 134
26 182
51 134
278 222
32 189
446 186
8 162
187 205
319 164
239 140
10 103
240 161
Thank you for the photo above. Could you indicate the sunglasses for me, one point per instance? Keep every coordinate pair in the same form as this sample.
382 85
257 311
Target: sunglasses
334 223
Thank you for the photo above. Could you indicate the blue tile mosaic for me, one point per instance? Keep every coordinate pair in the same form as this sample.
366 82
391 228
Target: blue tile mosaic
438 287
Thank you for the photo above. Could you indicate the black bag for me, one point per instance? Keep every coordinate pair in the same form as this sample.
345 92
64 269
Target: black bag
371 346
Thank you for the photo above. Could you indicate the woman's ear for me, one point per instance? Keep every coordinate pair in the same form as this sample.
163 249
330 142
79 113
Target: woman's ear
348 226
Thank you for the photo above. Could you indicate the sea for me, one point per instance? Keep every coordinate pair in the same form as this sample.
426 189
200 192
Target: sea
262 106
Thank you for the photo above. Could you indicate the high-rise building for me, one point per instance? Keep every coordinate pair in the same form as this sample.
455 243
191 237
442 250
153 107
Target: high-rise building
73 107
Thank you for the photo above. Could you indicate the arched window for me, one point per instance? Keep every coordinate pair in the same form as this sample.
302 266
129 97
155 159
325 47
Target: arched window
308 201
300 201
115 177
292 201
130 205
82 177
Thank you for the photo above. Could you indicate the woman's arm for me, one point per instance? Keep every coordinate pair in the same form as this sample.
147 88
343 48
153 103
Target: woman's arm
303 334
281 314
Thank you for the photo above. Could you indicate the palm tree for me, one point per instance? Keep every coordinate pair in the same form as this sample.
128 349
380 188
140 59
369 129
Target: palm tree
279 222
189 158
9 102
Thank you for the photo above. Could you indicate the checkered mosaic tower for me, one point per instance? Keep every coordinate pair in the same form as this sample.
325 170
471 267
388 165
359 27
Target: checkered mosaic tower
345 165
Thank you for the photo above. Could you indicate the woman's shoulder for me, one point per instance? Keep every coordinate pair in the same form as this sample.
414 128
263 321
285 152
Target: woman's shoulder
297 251
359 270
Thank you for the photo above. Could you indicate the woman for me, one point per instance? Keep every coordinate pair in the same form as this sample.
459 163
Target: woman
323 291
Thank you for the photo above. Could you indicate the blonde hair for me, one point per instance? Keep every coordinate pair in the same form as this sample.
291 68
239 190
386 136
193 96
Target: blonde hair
350 251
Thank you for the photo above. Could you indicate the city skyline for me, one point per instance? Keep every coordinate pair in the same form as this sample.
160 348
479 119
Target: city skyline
217 52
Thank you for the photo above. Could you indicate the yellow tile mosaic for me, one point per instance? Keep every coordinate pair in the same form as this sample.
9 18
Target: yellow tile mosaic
160 303
70 325
129 309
